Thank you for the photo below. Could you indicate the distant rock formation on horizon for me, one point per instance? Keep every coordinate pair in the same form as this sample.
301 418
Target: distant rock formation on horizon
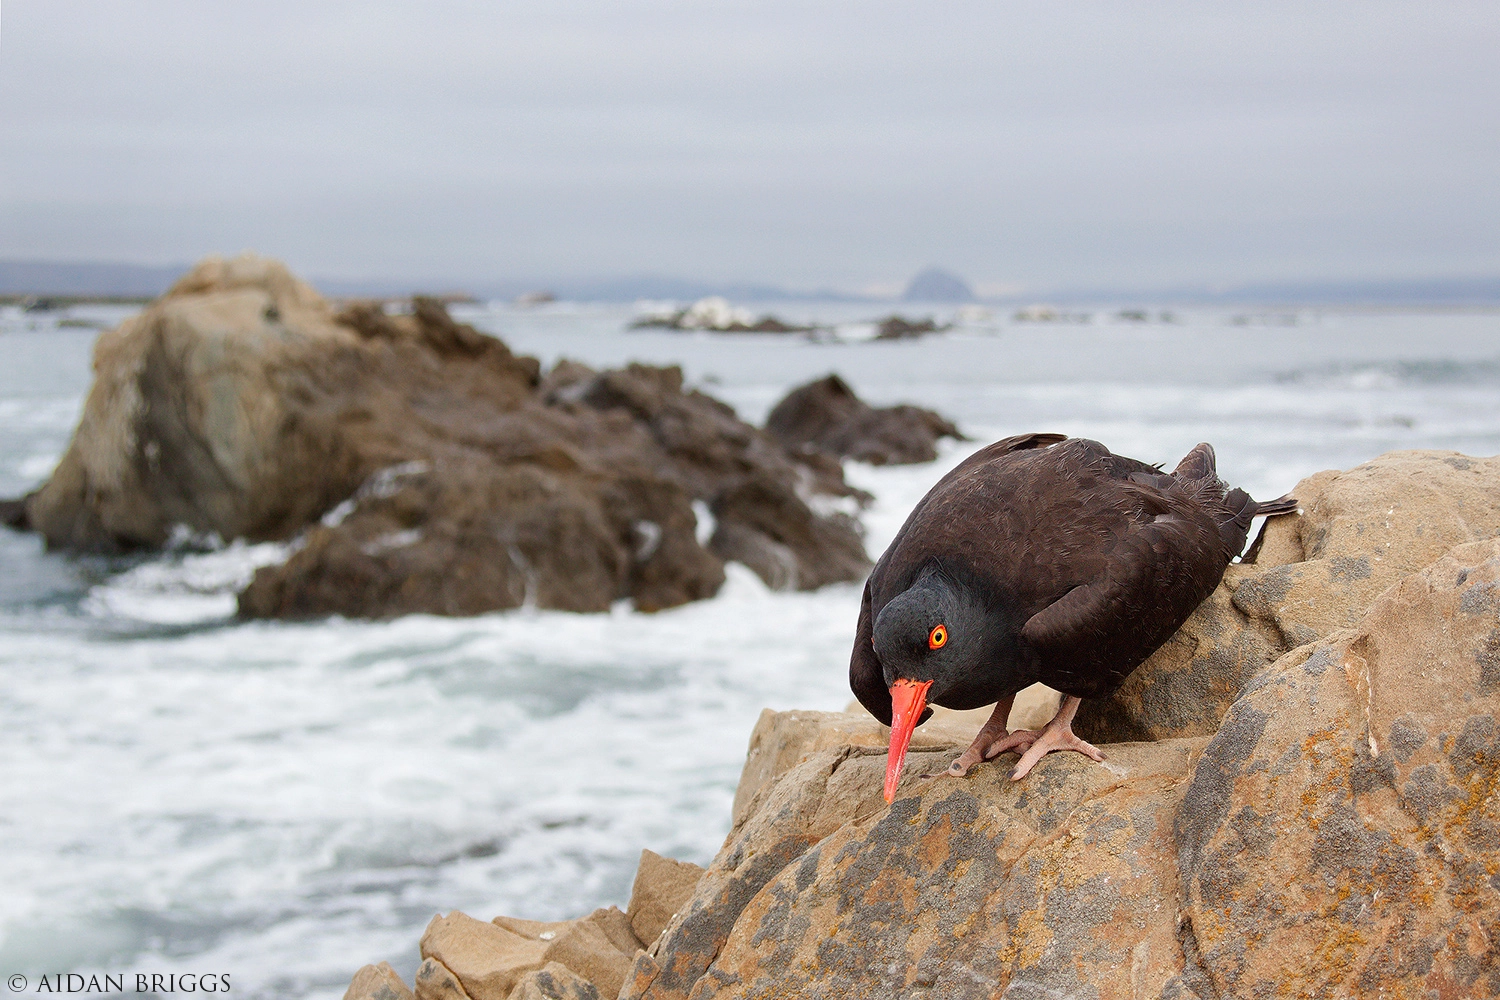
937 285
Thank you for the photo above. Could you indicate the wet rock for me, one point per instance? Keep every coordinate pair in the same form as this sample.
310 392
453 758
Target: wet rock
378 982
420 465
765 525
13 514
1341 833
1357 533
826 415
193 405
661 886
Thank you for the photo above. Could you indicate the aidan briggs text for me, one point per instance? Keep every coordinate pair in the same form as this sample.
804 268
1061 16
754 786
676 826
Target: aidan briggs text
186 982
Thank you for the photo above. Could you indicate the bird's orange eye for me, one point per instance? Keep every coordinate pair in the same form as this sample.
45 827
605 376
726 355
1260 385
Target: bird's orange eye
938 637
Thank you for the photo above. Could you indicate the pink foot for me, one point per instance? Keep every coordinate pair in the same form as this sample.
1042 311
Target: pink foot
992 741
1054 737
1021 739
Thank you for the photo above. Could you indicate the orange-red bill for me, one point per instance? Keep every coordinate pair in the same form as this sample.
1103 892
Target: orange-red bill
908 698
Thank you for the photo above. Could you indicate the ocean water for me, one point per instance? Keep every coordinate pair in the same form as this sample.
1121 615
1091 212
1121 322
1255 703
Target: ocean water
181 792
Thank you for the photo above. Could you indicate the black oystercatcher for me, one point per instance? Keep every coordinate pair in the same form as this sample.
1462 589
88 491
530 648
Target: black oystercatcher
1040 558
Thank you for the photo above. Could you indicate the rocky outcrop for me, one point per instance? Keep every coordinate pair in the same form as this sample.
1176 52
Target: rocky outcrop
1335 834
715 314
1341 835
827 416
512 959
900 328
1336 837
377 982
421 466
1356 534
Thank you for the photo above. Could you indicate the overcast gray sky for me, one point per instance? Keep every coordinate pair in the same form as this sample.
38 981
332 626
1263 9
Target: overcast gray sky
801 143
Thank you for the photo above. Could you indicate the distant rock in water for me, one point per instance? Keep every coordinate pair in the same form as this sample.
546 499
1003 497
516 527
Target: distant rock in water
422 466
901 328
937 285
827 416
717 315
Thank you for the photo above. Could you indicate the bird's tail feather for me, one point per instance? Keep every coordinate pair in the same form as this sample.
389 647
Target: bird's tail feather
1281 505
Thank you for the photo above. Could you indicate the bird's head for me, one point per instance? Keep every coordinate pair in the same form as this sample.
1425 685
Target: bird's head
928 639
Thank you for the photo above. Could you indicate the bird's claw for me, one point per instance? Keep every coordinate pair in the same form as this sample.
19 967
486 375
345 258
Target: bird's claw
1021 739
1050 739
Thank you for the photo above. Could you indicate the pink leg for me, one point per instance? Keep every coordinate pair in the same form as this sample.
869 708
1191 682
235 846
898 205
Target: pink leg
992 741
1057 735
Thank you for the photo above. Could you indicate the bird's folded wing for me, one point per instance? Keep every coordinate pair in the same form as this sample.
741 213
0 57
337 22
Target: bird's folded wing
1016 442
1091 638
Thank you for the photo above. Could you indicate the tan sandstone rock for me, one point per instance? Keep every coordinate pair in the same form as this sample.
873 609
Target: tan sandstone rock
662 886
377 982
487 960
803 806
435 981
1341 836
960 888
1337 836
599 947
185 422
781 740
1357 533
556 982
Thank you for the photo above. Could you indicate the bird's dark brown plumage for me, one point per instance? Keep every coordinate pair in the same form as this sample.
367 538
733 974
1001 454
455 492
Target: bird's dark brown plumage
1079 564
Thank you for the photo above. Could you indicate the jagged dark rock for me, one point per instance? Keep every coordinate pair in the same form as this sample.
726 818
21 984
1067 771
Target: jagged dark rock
827 416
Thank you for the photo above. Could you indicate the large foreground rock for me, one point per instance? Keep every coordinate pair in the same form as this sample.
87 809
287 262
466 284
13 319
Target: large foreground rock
1357 532
1341 835
1338 837
1335 834
420 464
